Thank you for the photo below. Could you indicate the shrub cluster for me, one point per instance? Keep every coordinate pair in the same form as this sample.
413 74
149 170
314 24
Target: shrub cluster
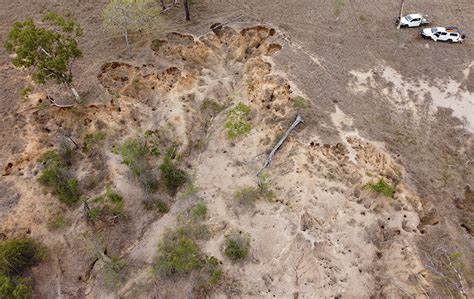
111 203
237 246
172 176
16 257
179 253
134 154
56 176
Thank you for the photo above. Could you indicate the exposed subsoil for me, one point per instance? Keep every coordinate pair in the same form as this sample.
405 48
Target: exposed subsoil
381 102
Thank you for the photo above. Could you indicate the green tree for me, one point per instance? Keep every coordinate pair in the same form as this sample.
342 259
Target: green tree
130 15
49 51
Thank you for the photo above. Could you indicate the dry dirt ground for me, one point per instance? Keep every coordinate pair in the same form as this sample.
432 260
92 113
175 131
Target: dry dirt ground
379 102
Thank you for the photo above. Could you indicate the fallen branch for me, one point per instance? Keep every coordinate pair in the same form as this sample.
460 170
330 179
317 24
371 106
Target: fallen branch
59 105
298 120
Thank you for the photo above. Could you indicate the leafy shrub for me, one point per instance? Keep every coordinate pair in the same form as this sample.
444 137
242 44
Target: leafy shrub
55 176
114 269
382 187
211 275
247 196
91 139
157 204
213 267
15 287
57 222
25 92
134 153
152 140
172 176
264 186
18 255
177 254
237 121
199 211
237 246
212 105
299 102
111 203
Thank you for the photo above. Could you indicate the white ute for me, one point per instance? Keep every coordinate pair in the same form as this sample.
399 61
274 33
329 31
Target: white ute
445 34
413 20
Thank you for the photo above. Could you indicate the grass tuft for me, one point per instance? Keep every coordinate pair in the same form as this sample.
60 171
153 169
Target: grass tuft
237 124
382 187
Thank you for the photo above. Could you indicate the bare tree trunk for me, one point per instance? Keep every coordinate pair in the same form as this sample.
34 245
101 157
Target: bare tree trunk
401 13
129 50
186 9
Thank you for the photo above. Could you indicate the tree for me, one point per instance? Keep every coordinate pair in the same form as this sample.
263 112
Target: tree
186 9
50 51
130 15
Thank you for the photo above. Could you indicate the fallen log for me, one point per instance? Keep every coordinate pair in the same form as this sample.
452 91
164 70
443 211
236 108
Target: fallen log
297 121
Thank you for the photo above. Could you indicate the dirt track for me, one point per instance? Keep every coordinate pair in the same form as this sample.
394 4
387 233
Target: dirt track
362 77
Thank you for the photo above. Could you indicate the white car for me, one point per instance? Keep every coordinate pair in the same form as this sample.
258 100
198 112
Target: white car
413 20
445 34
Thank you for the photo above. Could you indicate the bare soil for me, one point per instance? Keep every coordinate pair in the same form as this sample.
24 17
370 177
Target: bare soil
380 102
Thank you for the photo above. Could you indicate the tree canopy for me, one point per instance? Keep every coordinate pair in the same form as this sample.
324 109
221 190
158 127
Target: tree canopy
130 15
49 51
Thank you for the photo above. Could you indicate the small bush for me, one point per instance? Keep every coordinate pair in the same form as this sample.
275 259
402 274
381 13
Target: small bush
213 267
15 287
152 140
114 269
237 246
134 153
91 140
111 203
299 102
177 254
18 255
172 176
237 124
55 176
247 196
57 222
199 211
157 204
25 92
264 186
382 187
212 105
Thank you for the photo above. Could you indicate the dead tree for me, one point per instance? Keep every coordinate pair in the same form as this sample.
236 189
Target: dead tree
402 2
297 121
186 9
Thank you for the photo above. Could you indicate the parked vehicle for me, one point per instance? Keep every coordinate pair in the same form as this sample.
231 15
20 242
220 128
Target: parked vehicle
413 20
445 34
